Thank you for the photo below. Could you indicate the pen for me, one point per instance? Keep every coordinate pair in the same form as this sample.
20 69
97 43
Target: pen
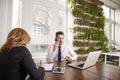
40 61
67 57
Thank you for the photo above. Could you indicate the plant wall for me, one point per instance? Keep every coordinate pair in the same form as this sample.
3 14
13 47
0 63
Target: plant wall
88 30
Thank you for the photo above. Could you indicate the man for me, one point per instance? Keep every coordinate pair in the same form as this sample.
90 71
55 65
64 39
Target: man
60 51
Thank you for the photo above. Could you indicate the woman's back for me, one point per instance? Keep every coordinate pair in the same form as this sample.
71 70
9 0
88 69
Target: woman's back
15 65
15 59
10 65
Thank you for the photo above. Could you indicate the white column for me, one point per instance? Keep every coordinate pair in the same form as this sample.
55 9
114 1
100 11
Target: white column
5 19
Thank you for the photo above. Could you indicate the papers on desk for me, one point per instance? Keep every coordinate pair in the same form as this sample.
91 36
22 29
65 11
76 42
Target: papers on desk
48 67
59 70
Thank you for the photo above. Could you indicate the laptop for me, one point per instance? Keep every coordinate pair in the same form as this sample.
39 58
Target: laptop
90 61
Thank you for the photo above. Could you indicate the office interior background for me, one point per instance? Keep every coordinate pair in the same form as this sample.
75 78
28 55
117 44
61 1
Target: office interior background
42 18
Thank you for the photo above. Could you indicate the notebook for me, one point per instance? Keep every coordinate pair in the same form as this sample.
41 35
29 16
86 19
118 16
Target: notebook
48 67
90 61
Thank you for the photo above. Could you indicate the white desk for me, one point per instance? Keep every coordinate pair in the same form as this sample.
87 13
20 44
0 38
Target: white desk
112 54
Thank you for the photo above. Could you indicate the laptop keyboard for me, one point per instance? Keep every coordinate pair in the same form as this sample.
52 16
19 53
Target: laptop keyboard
81 65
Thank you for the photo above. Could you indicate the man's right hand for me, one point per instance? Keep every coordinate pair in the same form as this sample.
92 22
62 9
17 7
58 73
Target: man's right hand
56 45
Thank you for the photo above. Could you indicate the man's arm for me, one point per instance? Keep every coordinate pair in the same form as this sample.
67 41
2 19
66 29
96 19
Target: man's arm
51 54
73 55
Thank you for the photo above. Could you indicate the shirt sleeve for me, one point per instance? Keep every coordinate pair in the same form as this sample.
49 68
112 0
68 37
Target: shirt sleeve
30 67
73 55
51 54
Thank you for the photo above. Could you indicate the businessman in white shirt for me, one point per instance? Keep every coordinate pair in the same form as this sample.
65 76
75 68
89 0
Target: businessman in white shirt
66 53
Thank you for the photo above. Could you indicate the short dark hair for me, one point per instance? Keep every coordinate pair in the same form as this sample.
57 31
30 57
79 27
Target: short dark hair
59 33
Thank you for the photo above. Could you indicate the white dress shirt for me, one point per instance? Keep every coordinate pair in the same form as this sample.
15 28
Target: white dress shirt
66 50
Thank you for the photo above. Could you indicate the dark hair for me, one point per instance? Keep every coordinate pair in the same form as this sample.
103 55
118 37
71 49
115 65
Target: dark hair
58 33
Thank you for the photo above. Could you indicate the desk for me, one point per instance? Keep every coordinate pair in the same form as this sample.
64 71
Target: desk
112 54
100 71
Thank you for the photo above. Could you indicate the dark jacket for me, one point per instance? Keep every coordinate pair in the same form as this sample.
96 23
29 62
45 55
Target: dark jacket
17 63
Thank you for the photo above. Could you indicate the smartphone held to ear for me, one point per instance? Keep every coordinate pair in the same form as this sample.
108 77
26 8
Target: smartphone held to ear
56 39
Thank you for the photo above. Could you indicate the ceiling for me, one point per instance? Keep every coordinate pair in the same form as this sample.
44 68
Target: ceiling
112 3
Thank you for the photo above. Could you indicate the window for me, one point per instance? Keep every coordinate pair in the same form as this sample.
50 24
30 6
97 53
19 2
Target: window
109 24
17 13
106 11
49 16
50 0
62 2
41 20
62 20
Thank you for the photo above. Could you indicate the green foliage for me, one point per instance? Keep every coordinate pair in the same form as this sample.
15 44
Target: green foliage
72 3
75 42
88 14
93 9
81 51
100 23
90 49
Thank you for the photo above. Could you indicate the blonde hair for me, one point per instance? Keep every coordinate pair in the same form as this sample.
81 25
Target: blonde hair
16 37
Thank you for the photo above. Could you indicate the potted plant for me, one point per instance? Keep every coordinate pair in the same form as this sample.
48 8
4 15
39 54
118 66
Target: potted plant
89 13
90 49
81 51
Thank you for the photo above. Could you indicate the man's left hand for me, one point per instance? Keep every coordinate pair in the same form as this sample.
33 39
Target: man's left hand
68 59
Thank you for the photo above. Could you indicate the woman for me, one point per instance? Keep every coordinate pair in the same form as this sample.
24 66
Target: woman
15 59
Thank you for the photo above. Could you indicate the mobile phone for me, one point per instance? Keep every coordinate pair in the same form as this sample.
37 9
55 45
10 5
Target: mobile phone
40 61
56 39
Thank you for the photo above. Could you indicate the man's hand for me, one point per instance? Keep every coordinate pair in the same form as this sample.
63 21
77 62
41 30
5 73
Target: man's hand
68 59
57 43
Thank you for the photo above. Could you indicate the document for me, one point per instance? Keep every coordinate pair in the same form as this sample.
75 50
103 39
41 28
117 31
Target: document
48 67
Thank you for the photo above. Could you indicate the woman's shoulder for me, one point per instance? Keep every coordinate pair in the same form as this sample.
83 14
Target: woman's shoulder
19 47
22 49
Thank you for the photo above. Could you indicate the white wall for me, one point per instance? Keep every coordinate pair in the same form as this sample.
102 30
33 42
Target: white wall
5 19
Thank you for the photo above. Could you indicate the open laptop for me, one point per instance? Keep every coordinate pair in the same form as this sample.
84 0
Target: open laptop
90 61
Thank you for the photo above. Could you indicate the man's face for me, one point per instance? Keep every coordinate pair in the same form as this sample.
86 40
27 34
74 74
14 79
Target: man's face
60 38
